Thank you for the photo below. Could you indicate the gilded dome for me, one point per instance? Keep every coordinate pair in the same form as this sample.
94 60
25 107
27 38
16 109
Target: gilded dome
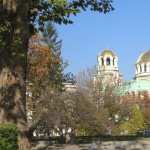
144 57
107 52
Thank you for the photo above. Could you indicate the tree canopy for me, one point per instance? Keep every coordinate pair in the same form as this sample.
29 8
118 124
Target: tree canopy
59 11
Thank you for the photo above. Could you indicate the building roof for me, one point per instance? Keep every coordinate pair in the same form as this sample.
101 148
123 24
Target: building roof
108 52
144 57
134 86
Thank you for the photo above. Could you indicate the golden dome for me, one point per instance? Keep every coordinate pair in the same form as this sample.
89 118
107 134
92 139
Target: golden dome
108 52
144 57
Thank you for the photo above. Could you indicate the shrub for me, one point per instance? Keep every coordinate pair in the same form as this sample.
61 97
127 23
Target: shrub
8 137
135 123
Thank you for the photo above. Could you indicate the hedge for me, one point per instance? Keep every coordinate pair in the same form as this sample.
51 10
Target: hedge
8 137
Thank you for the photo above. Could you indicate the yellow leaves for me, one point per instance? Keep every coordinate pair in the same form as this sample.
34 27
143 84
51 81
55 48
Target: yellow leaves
40 58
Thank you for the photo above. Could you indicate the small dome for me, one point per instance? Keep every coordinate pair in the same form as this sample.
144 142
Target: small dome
107 52
144 57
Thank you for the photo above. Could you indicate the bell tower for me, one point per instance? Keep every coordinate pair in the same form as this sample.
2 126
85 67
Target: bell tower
107 68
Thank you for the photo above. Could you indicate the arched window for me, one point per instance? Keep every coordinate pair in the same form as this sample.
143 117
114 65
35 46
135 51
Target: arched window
145 68
140 68
102 60
136 68
113 61
108 61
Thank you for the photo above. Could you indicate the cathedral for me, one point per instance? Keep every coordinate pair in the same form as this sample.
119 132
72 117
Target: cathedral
108 73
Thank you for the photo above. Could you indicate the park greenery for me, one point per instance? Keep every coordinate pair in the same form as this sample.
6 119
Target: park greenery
32 73
19 20
8 137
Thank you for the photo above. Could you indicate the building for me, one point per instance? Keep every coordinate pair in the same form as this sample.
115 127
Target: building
143 66
69 83
141 82
108 72
107 68
70 87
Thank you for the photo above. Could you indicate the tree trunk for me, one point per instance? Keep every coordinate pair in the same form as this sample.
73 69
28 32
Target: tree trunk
13 53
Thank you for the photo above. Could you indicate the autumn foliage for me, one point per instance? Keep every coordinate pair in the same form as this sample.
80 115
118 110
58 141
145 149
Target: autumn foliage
41 59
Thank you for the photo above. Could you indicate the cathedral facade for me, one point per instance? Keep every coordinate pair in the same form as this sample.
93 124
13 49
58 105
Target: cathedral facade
108 73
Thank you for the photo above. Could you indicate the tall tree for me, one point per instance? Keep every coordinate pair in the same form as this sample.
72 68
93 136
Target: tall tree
14 34
103 97
18 20
44 72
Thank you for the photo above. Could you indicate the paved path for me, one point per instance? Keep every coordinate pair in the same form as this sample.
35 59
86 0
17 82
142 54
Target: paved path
111 145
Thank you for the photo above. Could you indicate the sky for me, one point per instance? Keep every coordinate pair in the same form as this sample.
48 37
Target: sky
126 31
